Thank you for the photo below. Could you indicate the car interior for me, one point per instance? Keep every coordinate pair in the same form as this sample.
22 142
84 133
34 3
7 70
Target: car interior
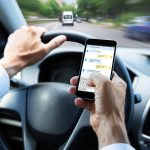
38 112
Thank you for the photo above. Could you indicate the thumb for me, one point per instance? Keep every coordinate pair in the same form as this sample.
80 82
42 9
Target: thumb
55 42
96 79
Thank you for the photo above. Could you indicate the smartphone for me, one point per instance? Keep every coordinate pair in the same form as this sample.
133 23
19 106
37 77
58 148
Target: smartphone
99 56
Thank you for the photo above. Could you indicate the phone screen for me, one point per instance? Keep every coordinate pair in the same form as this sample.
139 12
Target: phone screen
99 59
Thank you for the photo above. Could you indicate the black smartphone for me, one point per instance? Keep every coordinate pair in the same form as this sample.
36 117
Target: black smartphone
99 56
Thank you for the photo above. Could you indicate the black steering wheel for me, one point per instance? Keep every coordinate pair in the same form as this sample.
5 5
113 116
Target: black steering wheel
47 111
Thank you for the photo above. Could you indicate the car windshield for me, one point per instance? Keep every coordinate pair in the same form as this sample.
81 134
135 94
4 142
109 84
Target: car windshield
125 21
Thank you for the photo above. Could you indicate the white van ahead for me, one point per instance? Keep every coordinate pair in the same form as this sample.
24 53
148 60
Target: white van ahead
67 18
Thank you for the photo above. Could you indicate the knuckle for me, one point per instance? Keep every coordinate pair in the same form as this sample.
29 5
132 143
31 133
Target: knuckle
32 27
32 30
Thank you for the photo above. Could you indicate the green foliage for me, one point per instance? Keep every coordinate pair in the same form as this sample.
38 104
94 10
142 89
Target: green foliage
66 7
105 8
124 18
49 9
87 8
29 5
111 8
54 8
141 7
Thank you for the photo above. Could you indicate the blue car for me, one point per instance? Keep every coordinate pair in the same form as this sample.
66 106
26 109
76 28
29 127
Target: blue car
138 28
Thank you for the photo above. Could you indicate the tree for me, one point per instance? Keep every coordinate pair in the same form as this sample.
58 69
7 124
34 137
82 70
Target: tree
87 8
55 9
66 7
29 5
103 8
49 9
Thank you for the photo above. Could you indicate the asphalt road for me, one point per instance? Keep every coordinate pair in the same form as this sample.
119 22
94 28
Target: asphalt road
100 32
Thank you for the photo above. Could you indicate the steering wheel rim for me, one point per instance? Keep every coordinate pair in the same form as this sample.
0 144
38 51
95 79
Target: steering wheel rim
75 36
25 94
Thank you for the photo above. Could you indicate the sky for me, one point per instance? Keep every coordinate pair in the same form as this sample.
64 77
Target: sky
69 1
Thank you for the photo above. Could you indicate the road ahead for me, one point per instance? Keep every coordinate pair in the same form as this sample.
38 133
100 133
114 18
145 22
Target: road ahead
100 32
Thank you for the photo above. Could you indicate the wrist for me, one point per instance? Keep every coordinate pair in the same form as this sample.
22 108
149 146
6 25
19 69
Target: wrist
111 130
11 66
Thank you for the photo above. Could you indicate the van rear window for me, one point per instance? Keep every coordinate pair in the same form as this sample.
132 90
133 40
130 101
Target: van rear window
67 16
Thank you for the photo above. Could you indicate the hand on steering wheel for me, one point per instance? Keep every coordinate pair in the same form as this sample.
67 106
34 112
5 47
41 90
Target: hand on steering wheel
28 48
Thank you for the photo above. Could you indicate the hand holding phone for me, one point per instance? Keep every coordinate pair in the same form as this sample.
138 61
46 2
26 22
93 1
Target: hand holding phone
98 57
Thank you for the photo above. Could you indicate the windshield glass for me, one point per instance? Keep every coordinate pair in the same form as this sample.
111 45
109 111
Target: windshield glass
126 21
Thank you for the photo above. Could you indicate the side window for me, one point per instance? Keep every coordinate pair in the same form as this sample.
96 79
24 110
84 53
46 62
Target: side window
3 39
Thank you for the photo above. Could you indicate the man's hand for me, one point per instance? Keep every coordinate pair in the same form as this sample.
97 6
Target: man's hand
24 47
107 111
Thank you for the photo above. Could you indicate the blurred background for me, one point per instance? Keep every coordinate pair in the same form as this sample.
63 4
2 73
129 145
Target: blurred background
126 21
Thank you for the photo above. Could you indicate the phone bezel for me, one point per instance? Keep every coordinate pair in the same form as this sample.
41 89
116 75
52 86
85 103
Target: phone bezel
111 43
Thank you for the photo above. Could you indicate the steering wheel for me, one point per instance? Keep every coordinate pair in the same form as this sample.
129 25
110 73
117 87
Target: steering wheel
47 111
